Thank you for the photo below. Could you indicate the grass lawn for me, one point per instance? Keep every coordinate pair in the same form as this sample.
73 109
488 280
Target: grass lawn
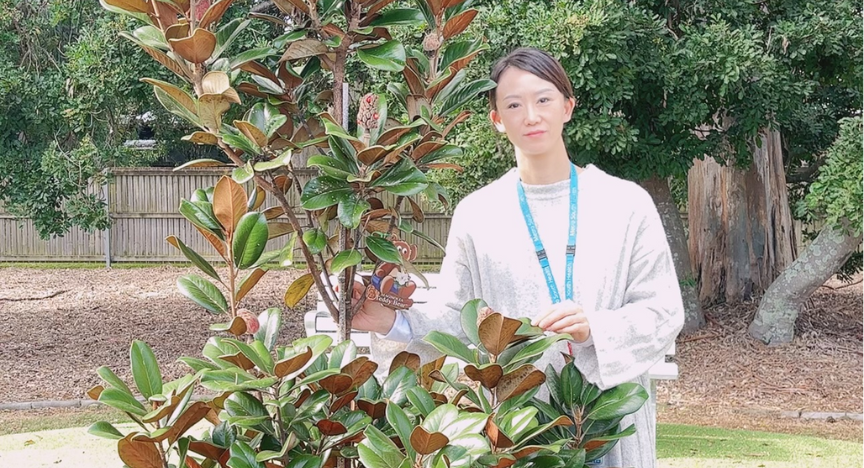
63 442
680 446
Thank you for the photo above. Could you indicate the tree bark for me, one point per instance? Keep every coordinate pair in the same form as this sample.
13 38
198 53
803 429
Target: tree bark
741 235
774 323
694 318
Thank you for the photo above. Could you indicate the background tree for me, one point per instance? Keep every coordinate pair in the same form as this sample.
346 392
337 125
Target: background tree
835 198
797 72
69 99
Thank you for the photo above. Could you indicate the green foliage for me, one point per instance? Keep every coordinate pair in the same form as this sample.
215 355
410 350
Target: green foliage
835 197
67 103
647 75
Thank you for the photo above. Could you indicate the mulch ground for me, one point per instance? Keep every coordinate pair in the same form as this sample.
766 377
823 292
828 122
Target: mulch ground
50 347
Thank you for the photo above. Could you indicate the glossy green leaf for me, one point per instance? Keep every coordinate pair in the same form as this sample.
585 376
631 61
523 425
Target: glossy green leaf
378 451
450 346
250 239
389 56
470 311
403 426
145 369
420 398
123 401
251 55
402 179
175 107
322 192
151 37
384 249
111 379
456 50
270 322
105 430
619 401
351 210
201 215
465 94
315 239
266 118
244 173
259 355
535 349
243 456
333 167
202 292
345 259
193 257
240 141
226 34
571 385
397 385
399 16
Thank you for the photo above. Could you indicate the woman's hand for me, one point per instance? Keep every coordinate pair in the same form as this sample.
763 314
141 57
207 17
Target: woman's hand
565 317
372 316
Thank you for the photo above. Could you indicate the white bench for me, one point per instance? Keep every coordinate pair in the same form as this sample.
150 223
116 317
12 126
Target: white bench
319 322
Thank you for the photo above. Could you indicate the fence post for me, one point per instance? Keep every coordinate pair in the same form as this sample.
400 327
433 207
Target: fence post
106 235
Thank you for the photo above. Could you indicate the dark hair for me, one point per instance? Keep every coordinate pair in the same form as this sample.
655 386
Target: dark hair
536 62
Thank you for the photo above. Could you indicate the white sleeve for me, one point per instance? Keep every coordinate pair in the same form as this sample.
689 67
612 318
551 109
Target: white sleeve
401 330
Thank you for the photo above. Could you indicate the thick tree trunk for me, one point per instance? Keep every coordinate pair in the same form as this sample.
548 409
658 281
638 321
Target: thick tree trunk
741 235
694 318
774 323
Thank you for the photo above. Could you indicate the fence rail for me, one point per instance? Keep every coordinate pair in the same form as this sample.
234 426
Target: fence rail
143 208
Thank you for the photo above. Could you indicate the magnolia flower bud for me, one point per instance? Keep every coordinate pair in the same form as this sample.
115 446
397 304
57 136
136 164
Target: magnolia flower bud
251 320
483 313
367 114
432 41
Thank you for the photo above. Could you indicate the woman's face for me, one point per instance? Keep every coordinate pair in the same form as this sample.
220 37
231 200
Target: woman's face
531 111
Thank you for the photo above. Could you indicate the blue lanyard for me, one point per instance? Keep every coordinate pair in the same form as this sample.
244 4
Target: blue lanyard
538 244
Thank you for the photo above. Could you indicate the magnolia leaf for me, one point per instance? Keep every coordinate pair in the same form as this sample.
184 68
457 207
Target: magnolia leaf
201 138
203 293
137 453
196 48
389 56
214 13
303 49
229 203
457 24
194 257
298 290
250 238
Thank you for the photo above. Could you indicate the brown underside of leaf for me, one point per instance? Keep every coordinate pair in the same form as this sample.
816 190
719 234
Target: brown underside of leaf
137 453
292 364
425 443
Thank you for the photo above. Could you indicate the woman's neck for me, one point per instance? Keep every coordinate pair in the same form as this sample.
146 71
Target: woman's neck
544 169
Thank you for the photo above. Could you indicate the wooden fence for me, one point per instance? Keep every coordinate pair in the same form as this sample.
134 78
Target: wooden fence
143 208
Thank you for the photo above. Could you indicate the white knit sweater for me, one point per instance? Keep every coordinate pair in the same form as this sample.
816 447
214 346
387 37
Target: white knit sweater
624 280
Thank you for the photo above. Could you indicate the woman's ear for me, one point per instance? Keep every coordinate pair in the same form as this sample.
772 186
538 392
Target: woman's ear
568 108
496 121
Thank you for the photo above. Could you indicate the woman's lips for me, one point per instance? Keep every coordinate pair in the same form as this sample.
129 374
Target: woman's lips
535 133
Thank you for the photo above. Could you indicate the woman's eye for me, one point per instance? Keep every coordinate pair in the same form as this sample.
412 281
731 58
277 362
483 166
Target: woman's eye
512 106
543 100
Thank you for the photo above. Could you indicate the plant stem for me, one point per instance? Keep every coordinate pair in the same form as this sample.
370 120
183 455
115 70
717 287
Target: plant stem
292 218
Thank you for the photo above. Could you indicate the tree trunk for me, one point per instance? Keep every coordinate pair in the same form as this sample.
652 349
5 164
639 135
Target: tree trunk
741 235
694 318
774 323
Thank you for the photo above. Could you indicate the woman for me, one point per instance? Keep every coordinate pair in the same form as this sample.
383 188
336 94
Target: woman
575 249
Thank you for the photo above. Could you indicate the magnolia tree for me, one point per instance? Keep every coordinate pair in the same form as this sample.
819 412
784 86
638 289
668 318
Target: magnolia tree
295 100
299 405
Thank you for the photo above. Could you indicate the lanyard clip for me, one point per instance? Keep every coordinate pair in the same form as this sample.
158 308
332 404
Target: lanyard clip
541 254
